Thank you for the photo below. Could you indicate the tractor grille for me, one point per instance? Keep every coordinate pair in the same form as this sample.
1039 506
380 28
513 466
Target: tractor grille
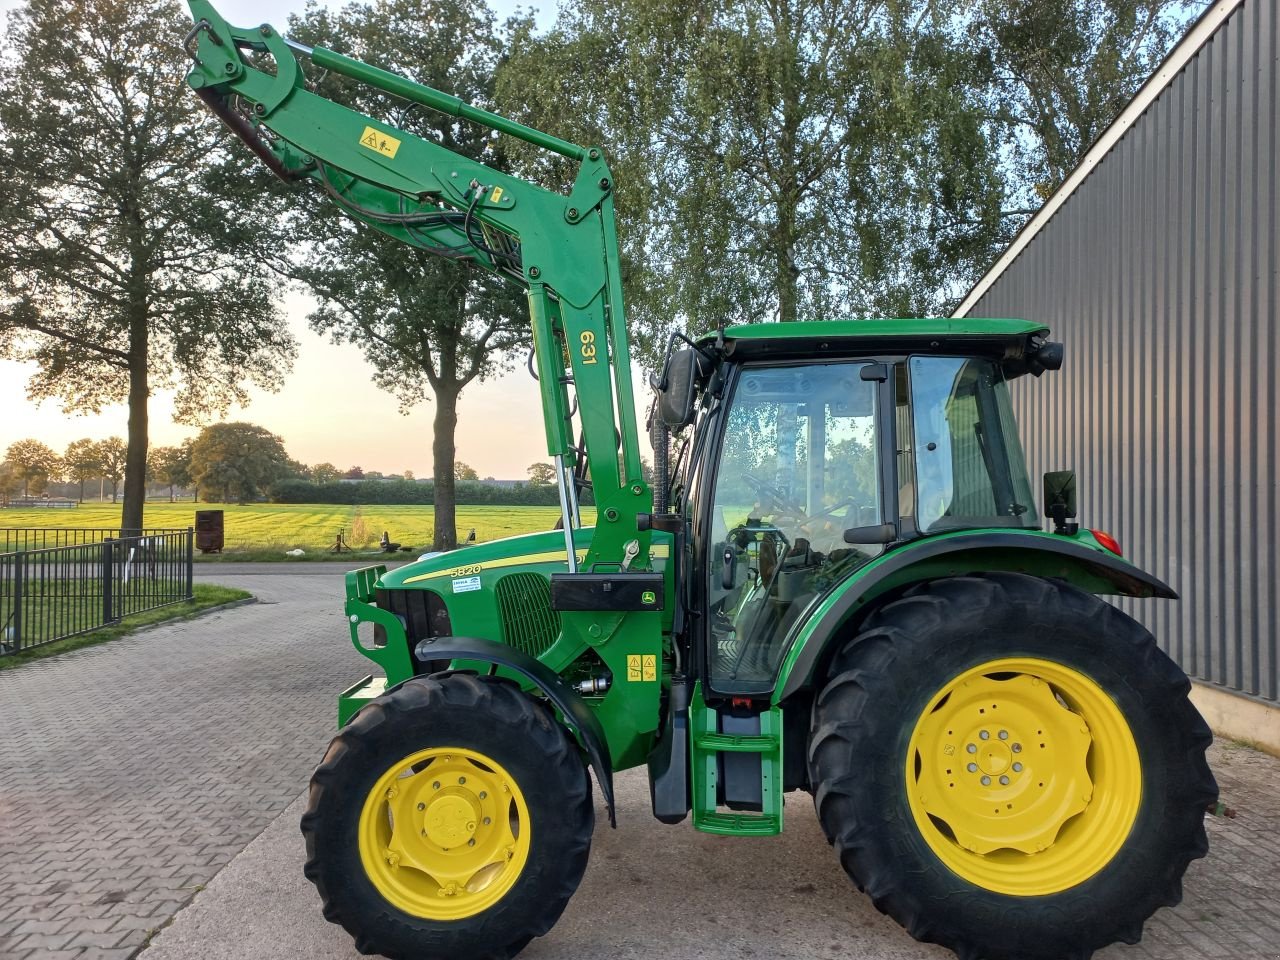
524 607
422 612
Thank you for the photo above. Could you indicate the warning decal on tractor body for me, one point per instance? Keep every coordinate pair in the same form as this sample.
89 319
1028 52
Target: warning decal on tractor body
642 669
379 142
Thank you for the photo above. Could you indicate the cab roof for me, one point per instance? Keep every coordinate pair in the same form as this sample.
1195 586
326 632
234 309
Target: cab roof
1004 338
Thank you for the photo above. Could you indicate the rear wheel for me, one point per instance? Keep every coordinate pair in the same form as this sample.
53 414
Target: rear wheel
452 817
1010 767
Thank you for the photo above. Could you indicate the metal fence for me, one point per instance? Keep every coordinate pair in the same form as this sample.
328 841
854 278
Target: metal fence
50 593
13 539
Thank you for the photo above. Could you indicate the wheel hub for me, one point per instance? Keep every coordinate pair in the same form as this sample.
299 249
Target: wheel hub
444 834
451 820
1002 773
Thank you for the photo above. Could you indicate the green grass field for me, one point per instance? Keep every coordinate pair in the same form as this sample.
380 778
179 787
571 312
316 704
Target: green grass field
267 528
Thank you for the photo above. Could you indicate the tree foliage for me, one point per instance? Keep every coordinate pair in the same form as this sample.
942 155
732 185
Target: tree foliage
128 232
775 159
462 471
34 463
171 466
428 326
324 473
112 454
81 463
1062 71
541 473
237 462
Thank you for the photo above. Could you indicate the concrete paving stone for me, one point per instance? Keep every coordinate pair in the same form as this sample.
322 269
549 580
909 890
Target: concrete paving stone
717 898
45 941
178 744
105 939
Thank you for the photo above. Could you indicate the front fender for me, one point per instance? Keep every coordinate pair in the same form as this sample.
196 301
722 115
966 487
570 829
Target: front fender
1032 552
580 719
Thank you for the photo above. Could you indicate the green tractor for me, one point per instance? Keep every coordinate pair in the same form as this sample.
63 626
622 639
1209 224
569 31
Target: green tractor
837 584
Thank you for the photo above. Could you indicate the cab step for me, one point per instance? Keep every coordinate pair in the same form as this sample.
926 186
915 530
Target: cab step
736 758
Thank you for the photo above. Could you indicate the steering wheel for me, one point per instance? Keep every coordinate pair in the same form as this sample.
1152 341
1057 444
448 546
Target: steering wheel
773 496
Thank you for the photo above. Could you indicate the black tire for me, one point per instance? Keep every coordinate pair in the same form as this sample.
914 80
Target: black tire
492 717
883 679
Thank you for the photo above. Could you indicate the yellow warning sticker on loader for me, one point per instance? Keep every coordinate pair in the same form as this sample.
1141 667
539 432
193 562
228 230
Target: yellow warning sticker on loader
634 670
650 667
380 142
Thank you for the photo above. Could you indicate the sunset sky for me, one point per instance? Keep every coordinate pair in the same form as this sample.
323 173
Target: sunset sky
326 409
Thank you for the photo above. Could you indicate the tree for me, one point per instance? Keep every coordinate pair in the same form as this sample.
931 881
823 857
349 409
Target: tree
237 462
324 473
130 237
81 463
407 475
541 474
355 473
774 159
171 466
1063 71
428 326
10 481
462 471
33 462
113 457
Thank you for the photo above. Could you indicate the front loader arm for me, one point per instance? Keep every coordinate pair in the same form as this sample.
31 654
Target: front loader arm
561 249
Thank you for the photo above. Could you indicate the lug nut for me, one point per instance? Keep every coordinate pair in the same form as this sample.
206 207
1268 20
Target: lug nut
973 768
1004 781
487 821
462 779
986 781
1017 768
436 785
422 806
483 795
1016 748
1004 734
972 748
984 735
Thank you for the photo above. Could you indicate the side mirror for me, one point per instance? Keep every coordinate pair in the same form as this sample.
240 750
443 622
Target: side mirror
677 390
1060 500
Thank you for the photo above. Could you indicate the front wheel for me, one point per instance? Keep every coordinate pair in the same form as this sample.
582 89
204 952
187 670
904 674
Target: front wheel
1010 767
451 818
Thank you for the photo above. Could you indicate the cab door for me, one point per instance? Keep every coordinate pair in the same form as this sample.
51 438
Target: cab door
801 462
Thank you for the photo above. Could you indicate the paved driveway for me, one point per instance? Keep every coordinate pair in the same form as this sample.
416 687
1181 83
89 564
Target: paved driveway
132 774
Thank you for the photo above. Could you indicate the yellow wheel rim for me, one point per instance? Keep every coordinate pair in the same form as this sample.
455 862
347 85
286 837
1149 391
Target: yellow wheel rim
444 833
1023 776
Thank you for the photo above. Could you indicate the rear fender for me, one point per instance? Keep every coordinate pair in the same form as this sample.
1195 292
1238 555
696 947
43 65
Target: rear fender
580 719
1035 553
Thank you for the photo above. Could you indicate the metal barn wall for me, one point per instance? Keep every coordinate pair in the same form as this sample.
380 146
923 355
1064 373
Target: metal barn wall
1159 273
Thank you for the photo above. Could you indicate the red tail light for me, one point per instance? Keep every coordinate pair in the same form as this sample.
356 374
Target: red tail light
1108 541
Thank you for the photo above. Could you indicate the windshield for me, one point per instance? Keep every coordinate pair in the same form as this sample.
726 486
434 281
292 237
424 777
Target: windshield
969 466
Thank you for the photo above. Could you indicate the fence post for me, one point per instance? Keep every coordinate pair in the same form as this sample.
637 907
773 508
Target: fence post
107 578
191 560
19 567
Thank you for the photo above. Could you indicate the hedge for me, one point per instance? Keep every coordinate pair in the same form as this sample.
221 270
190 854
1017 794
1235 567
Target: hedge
410 491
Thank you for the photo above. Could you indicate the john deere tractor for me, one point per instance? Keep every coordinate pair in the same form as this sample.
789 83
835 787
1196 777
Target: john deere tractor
838 584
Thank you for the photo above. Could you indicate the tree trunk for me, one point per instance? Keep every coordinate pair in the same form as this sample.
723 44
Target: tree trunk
82 489
443 451
135 461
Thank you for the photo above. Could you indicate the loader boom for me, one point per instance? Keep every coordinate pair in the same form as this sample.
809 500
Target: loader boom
562 250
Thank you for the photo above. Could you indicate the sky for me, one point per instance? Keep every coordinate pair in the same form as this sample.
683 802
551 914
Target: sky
327 410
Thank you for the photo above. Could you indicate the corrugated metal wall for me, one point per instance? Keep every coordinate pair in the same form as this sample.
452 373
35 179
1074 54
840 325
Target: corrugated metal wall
1159 273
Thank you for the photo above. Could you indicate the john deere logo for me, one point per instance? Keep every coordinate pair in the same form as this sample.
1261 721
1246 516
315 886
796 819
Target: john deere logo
648 598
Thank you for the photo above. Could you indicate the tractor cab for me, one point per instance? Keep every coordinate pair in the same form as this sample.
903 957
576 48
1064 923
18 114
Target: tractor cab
803 452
